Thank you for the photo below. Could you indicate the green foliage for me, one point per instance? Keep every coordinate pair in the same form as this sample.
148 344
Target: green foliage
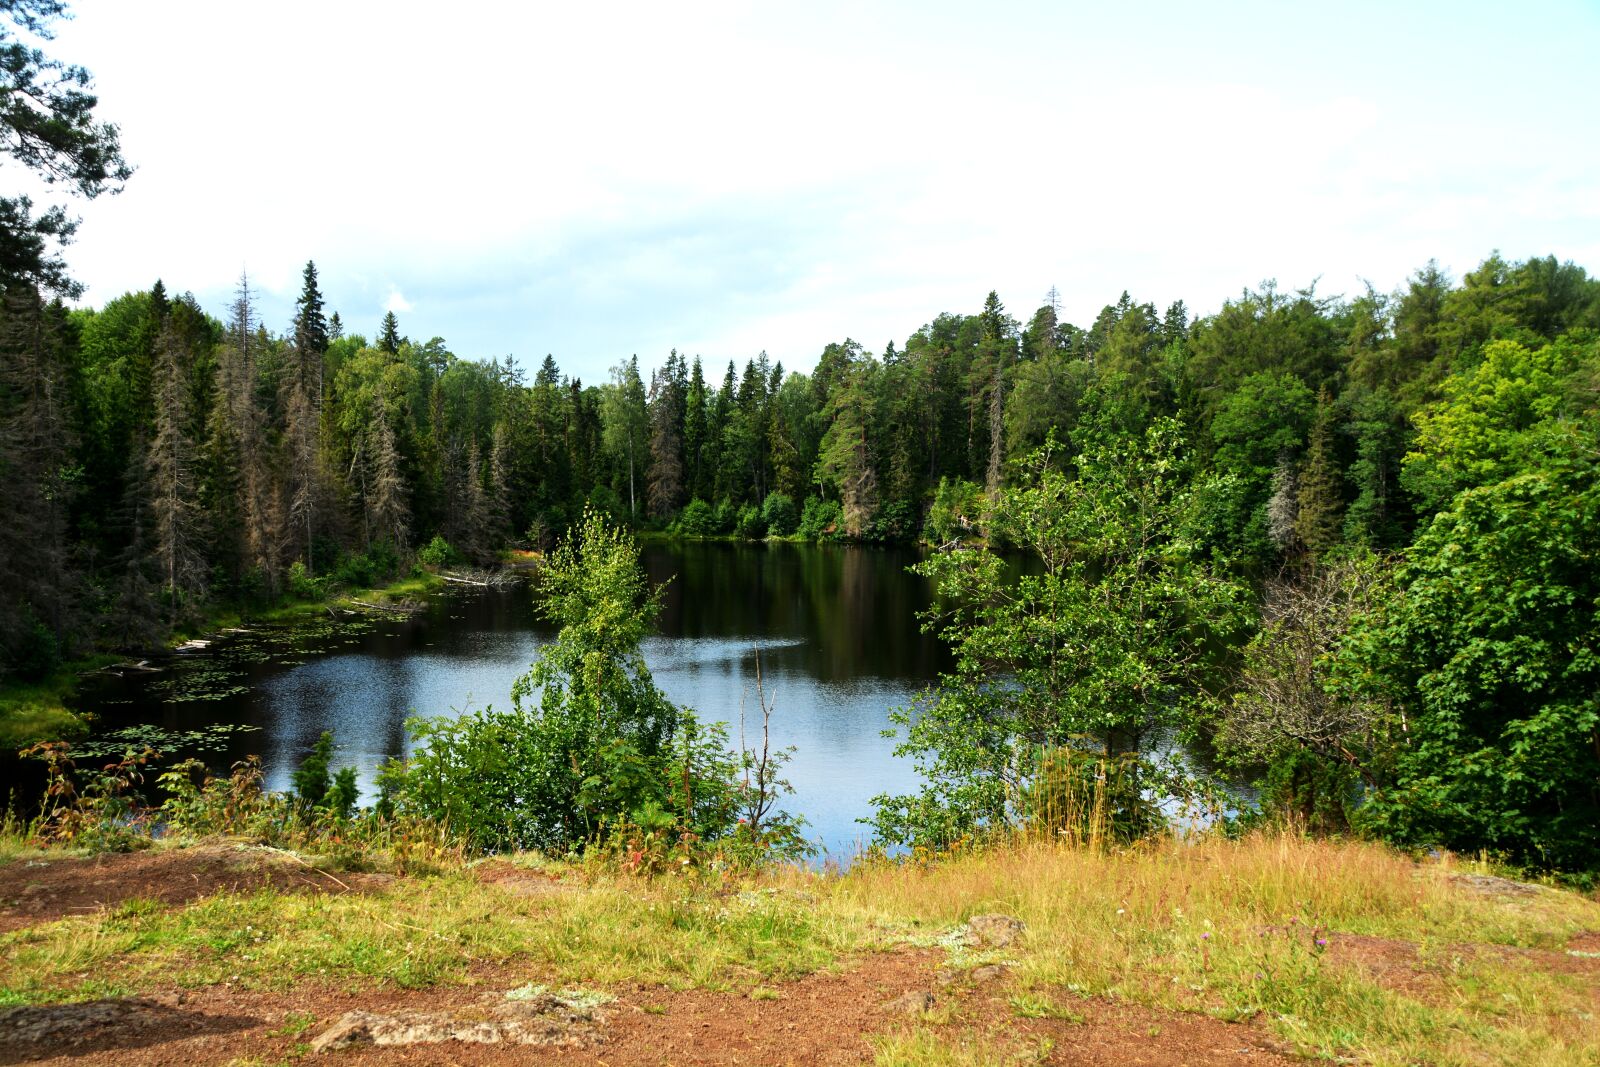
696 519
438 553
1109 643
820 519
310 780
302 586
957 512
779 514
48 114
1488 652
601 751
1498 418
749 525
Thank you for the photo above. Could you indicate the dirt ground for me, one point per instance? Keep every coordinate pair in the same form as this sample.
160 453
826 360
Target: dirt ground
824 1018
821 1019
33 892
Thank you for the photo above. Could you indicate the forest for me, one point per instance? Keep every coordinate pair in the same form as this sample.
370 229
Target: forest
1368 523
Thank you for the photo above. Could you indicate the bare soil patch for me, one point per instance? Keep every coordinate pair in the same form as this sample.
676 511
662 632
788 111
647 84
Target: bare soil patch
825 1018
36 891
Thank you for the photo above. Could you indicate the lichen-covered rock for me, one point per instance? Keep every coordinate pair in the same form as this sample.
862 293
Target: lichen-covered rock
992 972
994 931
528 1016
913 1002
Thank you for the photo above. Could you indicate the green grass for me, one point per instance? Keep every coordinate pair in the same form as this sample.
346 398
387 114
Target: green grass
923 1047
1222 928
428 931
1231 929
37 711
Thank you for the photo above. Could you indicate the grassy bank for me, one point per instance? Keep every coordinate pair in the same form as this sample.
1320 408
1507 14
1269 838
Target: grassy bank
1334 949
42 710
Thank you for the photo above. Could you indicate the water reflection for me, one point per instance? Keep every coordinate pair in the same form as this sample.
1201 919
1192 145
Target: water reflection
836 627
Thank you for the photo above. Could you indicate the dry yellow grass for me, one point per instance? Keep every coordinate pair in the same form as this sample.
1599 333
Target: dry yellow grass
1343 949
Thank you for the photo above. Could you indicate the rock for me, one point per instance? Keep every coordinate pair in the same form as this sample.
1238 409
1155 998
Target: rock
994 931
65 1025
534 1019
1492 885
914 1002
994 972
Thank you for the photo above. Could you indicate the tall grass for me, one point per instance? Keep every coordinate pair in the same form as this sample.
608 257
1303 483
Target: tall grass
1253 929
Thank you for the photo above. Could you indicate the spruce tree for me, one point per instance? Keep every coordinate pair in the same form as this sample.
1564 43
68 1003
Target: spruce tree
389 334
172 480
40 588
387 511
664 491
1321 515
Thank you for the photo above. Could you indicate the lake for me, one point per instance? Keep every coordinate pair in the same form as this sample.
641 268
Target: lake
836 628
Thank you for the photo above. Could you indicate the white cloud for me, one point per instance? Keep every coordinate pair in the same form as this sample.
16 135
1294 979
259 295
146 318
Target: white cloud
596 180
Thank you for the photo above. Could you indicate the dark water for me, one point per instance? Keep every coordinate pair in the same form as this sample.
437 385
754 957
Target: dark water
836 627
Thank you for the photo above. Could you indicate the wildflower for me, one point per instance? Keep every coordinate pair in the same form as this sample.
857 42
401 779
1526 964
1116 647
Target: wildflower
1322 942
1206 936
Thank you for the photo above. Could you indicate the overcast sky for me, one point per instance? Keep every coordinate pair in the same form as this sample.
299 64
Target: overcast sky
597 180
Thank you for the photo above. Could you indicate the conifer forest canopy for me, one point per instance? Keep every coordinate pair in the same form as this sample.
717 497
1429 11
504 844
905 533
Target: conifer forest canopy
1349 539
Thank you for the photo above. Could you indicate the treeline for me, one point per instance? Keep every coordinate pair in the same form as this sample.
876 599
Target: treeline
157 459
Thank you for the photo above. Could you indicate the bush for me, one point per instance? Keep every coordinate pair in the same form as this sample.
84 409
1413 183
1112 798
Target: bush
749 524
820 518
696 519
956 513
602 753
310 780
893 524
439 553
35 653
779 515
304 587
726 516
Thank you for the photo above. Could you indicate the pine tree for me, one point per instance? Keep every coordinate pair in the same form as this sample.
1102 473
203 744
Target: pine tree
387 512
1321 515
695 434
665 476
845 459
40 590
131 620
498 528
172 480
389 334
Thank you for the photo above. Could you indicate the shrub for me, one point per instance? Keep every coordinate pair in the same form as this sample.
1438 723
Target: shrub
697 519
602 752
726 516
893 524
439 553
779 515
310 780
820 518
956 513
749 525
302 586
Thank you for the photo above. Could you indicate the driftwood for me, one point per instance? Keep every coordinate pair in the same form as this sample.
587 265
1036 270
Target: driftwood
487 579
120 669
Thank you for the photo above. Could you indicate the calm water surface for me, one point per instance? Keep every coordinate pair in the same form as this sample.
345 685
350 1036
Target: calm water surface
836 627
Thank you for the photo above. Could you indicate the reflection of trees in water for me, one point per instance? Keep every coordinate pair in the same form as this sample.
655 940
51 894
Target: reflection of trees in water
853 609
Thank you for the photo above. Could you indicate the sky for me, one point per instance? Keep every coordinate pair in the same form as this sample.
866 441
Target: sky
595 181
